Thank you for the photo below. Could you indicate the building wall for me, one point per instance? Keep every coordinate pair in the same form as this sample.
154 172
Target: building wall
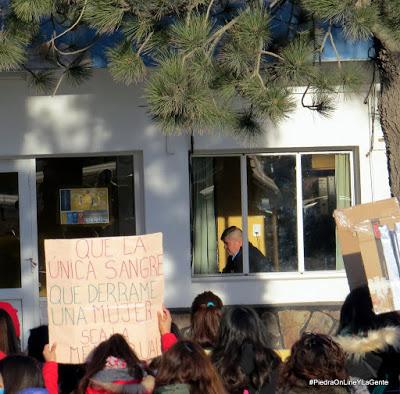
285 325
101 117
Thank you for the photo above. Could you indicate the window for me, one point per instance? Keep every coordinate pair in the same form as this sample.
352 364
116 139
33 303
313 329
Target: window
281 206
83 197
216 205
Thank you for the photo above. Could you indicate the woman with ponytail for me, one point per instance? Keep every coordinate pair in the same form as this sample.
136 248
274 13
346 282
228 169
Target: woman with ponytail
205 317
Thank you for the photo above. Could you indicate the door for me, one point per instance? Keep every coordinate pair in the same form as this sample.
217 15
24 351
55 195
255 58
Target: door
18 242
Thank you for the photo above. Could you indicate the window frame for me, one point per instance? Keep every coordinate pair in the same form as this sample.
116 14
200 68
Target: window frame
138 178
297 153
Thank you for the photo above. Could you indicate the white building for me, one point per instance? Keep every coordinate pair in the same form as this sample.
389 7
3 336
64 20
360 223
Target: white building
99 135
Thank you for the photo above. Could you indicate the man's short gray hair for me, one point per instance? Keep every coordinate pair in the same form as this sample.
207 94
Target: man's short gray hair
232 230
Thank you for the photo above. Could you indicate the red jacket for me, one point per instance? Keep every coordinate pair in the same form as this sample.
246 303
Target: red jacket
7 307
167 341
50 376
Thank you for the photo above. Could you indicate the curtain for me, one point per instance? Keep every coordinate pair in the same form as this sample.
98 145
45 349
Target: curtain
204 222
343 194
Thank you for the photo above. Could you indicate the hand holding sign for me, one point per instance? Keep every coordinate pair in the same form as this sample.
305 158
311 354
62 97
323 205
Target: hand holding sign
49 353
164 321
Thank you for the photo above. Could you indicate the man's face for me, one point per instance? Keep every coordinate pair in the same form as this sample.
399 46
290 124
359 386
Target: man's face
232 245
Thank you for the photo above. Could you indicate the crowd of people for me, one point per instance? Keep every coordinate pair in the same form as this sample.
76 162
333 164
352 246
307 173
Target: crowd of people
224 351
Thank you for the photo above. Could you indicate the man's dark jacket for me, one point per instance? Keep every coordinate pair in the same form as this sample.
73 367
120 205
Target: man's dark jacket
257 262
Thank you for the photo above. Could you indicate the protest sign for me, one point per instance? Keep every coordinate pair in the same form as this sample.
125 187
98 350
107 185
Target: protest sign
370 237
100 286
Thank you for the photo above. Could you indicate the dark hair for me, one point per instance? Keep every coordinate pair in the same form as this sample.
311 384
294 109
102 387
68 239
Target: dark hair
205 318
8 339
38 338
176 330
186 363
242 356
20 372
357 314
115 346
313 356
228 231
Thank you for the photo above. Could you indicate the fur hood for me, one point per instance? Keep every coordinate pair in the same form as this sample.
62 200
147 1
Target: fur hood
375 341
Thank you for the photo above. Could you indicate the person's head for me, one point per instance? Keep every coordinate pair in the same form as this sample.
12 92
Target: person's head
116 346
240 325
38 338
20 372
8 338
313 356
205 318
186 363
357 314
232 239
242 342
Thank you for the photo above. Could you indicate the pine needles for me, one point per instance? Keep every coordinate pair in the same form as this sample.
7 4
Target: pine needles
12 52
203 69
126 65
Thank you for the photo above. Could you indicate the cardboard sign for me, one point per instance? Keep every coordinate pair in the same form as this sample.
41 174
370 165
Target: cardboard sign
100 286
370 237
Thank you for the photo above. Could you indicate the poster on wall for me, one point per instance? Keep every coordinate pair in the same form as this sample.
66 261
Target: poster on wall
97 287
84 206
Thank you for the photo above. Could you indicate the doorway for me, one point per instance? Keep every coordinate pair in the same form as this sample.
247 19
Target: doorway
18 242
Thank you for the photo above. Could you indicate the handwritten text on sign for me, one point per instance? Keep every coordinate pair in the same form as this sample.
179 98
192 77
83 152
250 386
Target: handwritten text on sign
100 286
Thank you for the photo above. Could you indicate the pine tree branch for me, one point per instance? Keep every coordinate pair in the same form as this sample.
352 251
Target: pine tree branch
145 42
362 3
275 3
27 69
214 39
324 42
58 83
272 54
312 107
329 35
209 9
258 64
260 79
189 13
335 49
72 26
80 50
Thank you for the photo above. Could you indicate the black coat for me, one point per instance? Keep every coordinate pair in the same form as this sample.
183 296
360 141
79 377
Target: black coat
257 262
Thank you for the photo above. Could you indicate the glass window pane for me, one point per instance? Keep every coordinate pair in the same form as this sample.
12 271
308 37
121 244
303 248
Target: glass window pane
272 219
10 260
216 205
326 185
83 197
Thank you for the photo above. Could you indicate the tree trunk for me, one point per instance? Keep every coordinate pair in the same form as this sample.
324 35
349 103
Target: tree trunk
389 110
